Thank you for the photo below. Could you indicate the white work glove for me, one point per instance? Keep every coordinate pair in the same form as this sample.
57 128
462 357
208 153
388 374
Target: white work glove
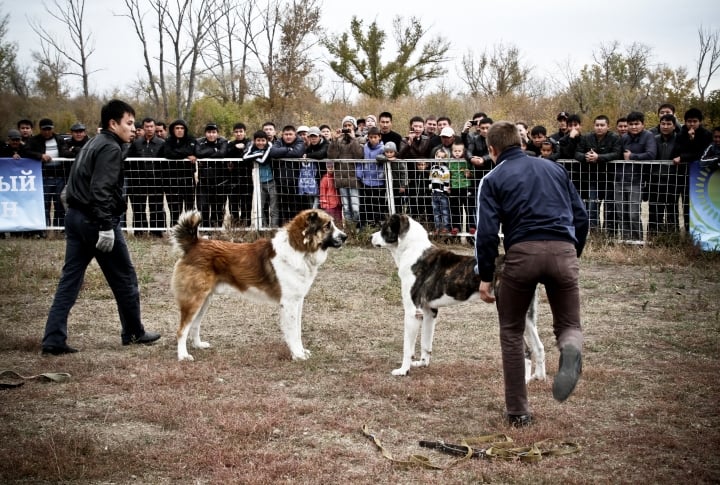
106 241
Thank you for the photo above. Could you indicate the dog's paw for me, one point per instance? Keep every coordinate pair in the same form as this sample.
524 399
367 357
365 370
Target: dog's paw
201 345
539 375
420 363
303 355
187 357
400 372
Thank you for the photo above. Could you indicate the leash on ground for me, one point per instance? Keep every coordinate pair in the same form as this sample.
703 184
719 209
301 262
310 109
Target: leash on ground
13 379
487 446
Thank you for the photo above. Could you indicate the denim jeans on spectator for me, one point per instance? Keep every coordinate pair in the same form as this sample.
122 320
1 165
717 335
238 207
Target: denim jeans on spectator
269 202
350 203
441 211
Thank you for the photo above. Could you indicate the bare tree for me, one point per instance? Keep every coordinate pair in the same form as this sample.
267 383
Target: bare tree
496 73
51 67
227 53
183 26
137 17
72 17
708 60
279 44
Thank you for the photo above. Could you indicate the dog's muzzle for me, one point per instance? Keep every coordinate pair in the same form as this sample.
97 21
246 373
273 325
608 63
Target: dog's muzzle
338 239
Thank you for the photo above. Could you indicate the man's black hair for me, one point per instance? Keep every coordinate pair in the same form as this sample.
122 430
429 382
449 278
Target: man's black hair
114 110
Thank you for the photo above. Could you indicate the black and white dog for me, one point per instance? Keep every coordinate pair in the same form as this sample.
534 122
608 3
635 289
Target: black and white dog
433 277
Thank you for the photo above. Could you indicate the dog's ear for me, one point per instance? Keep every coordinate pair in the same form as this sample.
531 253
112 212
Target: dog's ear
394 223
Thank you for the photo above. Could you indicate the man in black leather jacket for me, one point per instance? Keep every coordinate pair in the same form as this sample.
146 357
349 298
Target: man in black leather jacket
92 230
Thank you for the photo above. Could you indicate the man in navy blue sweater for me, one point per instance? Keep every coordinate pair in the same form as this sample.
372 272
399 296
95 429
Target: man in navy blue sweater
545 226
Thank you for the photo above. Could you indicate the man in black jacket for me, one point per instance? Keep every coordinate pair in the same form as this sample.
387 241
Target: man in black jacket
180 168
145 180
95 204
692 141
214 180
594 151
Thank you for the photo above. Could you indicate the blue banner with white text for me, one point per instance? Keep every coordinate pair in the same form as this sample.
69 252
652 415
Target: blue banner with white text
21 195
705 206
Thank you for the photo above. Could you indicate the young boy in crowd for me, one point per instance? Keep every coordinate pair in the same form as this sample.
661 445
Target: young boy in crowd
399 172
329 196
546 149
461 189
373 202
308 189
258 152
538 135
440 189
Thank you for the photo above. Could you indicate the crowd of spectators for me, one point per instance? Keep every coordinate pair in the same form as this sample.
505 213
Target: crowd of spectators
364 169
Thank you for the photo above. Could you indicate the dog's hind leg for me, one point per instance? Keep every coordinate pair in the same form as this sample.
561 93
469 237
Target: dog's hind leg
191 311
195 325
291 325
427 334
533 342
413 319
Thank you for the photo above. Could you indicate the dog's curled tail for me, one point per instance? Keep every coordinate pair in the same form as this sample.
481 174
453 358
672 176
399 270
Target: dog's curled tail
184 234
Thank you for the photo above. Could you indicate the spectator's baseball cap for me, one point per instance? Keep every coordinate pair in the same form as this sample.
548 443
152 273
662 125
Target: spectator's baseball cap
14 134
46 123
211 126
563 115
302 129
447 131
313 131
77 127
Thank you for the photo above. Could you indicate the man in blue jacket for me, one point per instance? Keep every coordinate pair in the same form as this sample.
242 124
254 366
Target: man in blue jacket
545 226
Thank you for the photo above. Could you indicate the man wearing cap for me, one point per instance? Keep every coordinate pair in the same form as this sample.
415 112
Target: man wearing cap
562 120
447 137
47 147
145 179
78 139
14 147
302 132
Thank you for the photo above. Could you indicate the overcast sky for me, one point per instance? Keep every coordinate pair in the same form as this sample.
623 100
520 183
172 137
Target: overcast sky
549 33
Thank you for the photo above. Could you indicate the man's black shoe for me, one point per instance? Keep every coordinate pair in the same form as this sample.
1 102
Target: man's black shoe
569 372
519 420
146 339
58 350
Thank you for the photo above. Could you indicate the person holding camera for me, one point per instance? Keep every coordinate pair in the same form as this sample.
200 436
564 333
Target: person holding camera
470 129
342 148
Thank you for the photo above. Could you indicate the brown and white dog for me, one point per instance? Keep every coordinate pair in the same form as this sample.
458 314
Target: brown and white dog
278 270
432 277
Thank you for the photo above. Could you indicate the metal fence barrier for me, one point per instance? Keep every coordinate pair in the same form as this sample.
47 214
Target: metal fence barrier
630 201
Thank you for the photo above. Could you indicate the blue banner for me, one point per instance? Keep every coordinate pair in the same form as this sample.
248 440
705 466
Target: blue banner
705 206
21 195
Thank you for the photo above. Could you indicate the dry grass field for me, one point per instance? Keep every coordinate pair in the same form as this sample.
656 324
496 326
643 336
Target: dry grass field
646 409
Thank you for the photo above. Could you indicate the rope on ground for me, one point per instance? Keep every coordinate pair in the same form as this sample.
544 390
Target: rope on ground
496 446
11 379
